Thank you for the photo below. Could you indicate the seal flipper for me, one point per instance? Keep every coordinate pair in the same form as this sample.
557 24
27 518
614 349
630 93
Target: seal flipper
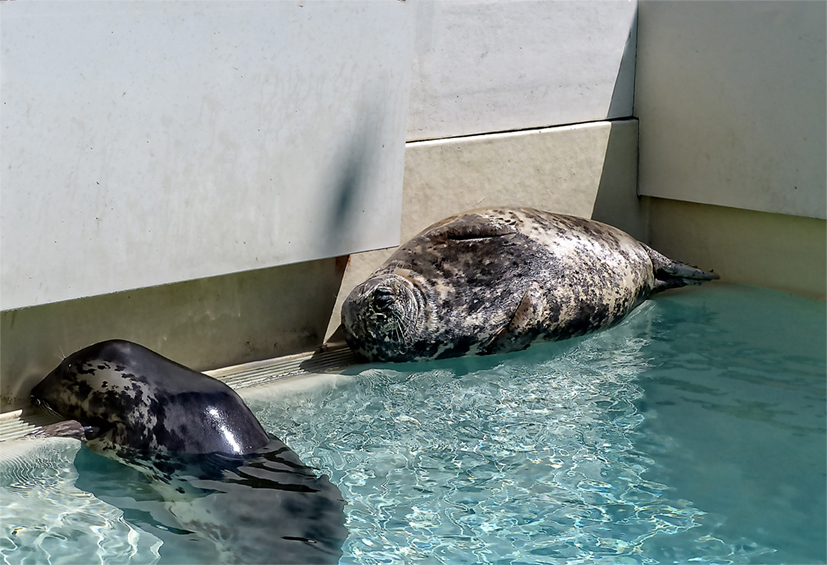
67 428
525 325
674 274
470 226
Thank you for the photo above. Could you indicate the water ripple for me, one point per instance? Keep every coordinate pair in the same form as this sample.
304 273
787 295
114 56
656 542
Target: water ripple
519 462
46 520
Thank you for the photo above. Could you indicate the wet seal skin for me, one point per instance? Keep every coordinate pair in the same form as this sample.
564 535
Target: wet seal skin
220 488
497 280
128 396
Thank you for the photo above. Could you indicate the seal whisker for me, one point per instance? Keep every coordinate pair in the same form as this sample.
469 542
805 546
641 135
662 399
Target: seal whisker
400 327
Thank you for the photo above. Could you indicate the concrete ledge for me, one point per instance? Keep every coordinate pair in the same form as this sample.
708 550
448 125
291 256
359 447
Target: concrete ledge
786 253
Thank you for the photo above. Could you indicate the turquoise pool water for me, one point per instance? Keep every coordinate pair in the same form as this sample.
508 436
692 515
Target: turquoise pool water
692 432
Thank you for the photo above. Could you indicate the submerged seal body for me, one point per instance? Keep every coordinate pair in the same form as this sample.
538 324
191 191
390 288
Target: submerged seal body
496 280
128 396
221 490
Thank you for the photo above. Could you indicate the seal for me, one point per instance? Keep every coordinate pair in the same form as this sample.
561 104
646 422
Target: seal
497 280
211 483
128 396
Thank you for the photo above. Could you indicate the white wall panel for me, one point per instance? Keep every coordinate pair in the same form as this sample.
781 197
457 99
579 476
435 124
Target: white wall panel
151 142
731 102
496 65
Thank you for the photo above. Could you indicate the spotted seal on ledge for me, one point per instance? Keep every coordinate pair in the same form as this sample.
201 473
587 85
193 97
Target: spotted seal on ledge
496 280
212 484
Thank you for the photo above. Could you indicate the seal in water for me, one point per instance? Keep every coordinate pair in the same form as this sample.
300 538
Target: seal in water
497 280
128 396
221 489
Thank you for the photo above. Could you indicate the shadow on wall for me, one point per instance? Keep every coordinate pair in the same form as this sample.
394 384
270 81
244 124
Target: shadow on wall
623 94
349 182
355 182
613 203
616 202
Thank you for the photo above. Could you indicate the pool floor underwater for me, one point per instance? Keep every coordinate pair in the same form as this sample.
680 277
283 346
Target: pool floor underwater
692 432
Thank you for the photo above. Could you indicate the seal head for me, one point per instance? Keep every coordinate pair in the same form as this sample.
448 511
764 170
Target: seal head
387 310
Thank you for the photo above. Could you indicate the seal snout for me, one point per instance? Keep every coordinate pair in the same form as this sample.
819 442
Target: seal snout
383 295
381 299
42 404
382 310
36 396
391 297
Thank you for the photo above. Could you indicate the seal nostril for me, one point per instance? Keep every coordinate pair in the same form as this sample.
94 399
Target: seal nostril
383 296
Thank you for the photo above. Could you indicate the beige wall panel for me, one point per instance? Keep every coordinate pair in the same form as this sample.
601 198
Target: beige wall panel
586 170
204 324
787 253
557 169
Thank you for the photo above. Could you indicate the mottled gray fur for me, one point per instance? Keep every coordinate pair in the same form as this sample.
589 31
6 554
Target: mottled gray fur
496 280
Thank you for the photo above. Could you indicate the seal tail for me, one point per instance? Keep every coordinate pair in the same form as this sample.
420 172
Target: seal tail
674 274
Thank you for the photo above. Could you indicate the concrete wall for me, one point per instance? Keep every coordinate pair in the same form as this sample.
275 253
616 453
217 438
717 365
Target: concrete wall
731 102
175 173
484 66
204 324
147 143
777 251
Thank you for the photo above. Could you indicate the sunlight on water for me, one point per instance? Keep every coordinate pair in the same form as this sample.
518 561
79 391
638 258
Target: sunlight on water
45 519
573 452
692 432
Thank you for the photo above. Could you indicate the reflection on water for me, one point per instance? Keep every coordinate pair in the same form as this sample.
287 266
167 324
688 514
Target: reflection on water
45 519
262 508
736 387
694 431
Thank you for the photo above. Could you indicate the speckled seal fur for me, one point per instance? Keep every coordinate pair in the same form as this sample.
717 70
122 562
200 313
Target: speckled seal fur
128 396
496 280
